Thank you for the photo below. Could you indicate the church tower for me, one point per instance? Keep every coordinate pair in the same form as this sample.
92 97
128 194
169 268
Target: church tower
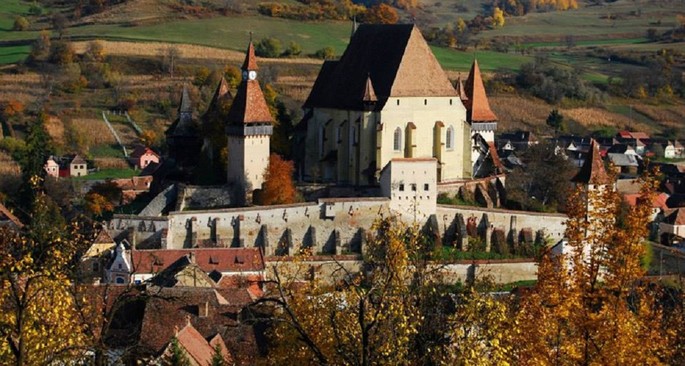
249 127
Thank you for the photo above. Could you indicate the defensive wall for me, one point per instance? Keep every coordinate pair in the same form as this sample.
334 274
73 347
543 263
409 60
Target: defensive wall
330 269
330 226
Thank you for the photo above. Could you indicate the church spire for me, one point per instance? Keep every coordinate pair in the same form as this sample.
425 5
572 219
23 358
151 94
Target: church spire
460 89
249 105
477 105
592 171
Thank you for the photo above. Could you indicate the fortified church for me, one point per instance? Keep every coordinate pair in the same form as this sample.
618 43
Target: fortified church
384 118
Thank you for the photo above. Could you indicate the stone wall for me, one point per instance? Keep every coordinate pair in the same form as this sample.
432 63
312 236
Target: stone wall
145 232
332 269
332 226
516 225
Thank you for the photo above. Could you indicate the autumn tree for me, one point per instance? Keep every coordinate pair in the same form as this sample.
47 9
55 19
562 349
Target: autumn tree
543 183
39 324
497 17
589 305
381 13
278 187
395 312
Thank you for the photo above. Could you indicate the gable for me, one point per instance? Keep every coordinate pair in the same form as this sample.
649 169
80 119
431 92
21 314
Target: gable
395 58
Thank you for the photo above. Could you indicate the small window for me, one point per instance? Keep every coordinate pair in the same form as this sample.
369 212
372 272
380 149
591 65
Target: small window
450 101
398 102
449 138
397 140
413 187
426 187
425 102
120 280
401 187
119 266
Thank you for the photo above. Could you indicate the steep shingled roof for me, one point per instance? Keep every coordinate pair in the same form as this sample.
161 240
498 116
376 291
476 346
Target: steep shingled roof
249 105
677 217
592 171
395 57
184 125
477 105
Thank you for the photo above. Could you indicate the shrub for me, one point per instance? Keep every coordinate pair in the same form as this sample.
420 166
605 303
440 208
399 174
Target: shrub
326 53
268 47
20 24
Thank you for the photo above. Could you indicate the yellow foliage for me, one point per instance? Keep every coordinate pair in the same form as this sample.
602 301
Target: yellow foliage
39 320
497 17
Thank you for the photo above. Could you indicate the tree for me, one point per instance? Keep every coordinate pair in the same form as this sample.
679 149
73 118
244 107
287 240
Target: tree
268 47
395 312
218 358
39 324
326 53
278 187
177 356
294 49
170 56
38 149
95 52
497 17
543 184
97 205
148 138
20 24
59 23
381 13
61 53
40 50
590 306
556 121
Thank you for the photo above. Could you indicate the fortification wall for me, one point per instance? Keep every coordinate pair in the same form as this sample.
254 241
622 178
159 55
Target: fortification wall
332 226
140 231
453 219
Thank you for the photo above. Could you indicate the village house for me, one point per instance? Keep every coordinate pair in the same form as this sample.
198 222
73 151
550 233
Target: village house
67 166
143 156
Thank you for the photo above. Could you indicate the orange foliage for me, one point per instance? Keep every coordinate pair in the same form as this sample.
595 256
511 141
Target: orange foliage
12 108
97 205
278 187
381 14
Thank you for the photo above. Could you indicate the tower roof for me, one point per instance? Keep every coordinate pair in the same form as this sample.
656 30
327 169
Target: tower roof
249 105
369 93
185 106
592 171
250 62
397 58
477 105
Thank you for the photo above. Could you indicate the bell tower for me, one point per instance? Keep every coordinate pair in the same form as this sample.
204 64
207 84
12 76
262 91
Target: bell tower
249 127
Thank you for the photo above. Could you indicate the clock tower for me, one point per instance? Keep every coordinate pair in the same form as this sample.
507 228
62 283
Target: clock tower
249 127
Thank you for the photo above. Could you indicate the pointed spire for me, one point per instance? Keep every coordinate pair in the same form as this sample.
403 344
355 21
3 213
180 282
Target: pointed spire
250 58
592 171
185 106
477 105
222 90
460 89
369 92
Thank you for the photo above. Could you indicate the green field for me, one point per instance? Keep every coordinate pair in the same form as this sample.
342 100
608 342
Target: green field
487 60
13 54
110 173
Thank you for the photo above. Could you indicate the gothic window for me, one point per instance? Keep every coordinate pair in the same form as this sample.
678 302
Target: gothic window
449 138
338 134
397 140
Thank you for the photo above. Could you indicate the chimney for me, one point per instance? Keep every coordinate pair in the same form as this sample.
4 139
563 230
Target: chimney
203 310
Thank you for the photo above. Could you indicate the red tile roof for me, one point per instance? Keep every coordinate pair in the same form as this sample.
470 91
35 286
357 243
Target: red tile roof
592 171
659 200
477 105
195 344
250 62
249 105
103 237
677 217
219 259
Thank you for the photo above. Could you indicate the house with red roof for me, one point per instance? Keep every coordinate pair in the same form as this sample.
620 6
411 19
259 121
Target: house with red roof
143 156
198 350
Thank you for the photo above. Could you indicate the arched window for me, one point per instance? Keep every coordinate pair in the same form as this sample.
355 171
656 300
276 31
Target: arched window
397 140
449 138
119 280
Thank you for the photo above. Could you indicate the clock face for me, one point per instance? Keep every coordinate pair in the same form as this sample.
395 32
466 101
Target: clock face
253 75
244 75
